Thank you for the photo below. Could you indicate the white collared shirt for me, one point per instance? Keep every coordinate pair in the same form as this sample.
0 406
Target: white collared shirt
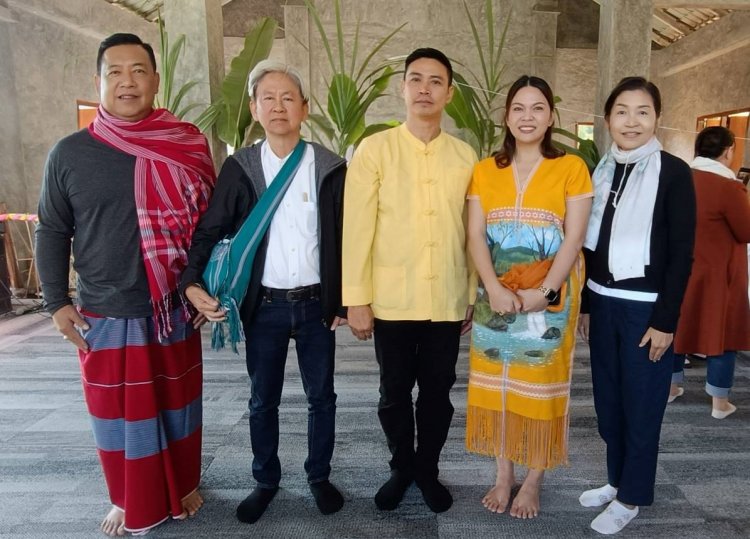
292 259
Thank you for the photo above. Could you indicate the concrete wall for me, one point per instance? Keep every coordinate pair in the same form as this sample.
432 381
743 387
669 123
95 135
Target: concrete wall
52 48
705 73
12 188
575 83
530 44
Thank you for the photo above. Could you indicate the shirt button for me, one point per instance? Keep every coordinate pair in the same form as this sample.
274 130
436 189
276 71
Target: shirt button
293 249
429 212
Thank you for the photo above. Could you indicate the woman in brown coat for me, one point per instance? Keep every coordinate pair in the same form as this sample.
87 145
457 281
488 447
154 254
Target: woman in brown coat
715 316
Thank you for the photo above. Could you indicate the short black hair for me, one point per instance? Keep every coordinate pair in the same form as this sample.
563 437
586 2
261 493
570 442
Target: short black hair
713 141
123 39
629 84
428 52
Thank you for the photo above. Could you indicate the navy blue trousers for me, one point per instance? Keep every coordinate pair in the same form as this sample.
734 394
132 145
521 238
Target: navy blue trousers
275 322
630 394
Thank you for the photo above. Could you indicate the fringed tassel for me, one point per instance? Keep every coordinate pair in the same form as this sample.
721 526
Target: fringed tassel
163 317
234 323
536 443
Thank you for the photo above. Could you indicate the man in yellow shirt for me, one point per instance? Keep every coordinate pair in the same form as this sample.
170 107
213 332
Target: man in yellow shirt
405 275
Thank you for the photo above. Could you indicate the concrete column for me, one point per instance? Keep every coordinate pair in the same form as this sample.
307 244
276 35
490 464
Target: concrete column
12 183
298 50
202 57
544 22
624 50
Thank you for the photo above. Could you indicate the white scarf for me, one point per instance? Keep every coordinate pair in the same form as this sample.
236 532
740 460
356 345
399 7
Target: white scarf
630 237
711 165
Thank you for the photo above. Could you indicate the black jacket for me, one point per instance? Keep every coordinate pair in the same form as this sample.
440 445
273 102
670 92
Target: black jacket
672 238
240 184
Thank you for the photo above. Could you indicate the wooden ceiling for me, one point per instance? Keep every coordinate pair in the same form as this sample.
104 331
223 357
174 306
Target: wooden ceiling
671 21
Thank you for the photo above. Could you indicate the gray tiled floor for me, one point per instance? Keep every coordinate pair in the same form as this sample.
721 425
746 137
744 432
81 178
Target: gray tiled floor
51 485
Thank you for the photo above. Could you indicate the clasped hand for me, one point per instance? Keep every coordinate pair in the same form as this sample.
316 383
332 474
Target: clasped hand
209 308
503 300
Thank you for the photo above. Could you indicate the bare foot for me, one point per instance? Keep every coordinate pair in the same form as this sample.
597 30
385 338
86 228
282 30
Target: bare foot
526 503
114 523
191 503
497 498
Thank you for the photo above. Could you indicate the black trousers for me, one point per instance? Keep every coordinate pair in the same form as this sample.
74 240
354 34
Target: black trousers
425 353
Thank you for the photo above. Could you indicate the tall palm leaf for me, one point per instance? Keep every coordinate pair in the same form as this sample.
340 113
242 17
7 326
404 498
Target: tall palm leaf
230 113
351 88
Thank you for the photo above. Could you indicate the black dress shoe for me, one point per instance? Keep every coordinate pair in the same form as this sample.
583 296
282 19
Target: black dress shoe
253 507
327 497
392 492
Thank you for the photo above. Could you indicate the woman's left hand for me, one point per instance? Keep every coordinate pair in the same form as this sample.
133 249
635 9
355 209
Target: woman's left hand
532 300
660 341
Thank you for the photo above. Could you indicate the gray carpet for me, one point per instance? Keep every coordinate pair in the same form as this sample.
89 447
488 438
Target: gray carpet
51 484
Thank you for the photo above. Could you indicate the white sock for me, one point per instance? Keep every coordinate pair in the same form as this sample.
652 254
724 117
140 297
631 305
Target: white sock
614 518
596 497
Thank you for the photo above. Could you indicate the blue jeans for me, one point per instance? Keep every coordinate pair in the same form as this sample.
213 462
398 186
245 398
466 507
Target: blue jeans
275 322
719 373
630 394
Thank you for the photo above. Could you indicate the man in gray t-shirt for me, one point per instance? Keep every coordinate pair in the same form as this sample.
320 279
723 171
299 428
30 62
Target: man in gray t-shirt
125 195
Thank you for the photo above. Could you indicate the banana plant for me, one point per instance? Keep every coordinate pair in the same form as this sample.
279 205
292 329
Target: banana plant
230 113
351 89
585 149
477 99
169 56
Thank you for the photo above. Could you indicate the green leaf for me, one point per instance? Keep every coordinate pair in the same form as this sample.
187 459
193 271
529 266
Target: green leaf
349 96
326 43
321 122
206 119
236 117
376 128
376 49
253 133
177 99
342 96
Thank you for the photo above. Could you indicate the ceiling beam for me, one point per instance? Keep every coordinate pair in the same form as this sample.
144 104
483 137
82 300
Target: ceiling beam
697 60
705 4
659 39
673 22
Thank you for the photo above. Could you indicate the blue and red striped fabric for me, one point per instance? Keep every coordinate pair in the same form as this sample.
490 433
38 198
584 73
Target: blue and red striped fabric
145 402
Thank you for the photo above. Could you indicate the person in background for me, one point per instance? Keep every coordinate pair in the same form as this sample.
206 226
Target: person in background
639 251
129 191
715 315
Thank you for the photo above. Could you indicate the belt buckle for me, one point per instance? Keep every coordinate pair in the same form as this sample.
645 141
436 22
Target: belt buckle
295 294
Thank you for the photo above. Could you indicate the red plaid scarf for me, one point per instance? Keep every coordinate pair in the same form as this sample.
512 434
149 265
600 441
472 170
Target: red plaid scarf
174 178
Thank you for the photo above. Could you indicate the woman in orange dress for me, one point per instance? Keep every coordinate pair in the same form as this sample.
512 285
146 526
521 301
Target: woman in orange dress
528 210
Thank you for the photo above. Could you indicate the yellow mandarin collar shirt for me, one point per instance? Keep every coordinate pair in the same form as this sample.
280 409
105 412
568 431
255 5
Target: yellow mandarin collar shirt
404 245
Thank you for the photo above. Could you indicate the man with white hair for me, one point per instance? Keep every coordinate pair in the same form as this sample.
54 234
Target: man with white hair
295 283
